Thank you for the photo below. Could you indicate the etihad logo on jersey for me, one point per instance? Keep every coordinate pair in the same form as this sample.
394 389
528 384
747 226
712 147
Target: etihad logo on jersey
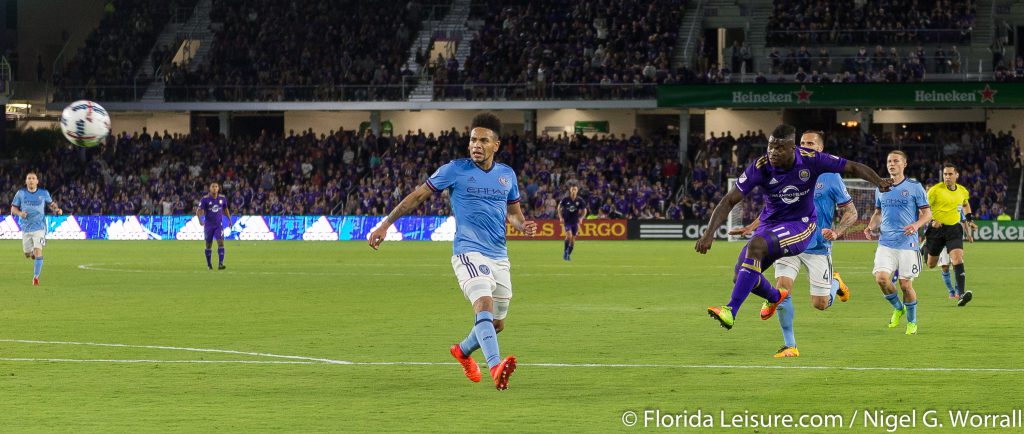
789 194
983 95
495 193
893 201
802 96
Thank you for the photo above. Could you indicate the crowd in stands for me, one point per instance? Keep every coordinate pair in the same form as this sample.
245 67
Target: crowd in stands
269 50
871 22
876 65
105 67
542 49
168 174
348 173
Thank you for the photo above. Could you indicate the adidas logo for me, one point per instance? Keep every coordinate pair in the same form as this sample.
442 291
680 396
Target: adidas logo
472 179
774 181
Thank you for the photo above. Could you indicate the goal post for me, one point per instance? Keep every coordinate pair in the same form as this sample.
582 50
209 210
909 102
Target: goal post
861 191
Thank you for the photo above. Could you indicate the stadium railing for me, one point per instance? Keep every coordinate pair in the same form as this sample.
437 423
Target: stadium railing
863 36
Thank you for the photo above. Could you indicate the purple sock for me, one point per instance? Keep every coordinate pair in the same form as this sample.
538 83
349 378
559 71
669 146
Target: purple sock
220 256
748 277
765 290
208 264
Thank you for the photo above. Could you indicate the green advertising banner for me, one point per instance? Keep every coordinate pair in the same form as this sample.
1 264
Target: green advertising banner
1006 230
934 95
583 127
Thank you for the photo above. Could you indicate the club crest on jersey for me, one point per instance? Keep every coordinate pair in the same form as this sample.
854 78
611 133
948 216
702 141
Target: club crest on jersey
503 180
805 174
484 269
904 193
743 177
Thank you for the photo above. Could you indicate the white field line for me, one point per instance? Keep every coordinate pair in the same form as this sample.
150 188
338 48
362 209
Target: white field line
304 360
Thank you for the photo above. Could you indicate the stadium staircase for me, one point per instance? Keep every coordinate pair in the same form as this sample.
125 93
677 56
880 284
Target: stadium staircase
175 35
689 31
453 27
757 35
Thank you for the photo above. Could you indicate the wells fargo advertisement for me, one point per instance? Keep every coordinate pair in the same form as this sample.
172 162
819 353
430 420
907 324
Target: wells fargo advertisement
600 229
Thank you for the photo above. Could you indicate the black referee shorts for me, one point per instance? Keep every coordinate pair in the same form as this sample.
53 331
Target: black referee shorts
949 236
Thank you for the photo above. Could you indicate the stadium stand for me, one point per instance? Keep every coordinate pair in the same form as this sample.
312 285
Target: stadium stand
561 49
105 67
266 50
344 173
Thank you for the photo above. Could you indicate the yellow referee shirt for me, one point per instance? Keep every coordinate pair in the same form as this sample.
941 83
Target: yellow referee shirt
946 204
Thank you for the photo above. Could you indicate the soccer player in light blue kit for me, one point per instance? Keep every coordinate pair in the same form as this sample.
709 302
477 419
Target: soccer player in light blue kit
899 213
825 284
483 195
30 204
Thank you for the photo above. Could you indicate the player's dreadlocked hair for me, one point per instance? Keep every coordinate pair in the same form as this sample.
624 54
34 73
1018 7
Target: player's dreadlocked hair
487 120
784 132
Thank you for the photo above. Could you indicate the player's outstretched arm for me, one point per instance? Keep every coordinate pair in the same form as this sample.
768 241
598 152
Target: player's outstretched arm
745 231
718 217
56 209
519 221
868 174
846 220
409 203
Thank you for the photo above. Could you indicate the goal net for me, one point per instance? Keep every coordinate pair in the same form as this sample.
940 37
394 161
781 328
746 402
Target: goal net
862 192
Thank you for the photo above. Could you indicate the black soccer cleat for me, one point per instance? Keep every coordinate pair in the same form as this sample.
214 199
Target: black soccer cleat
221 267
965 298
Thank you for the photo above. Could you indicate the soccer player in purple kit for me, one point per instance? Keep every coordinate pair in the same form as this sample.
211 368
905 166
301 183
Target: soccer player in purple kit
571 211
787 174
212 207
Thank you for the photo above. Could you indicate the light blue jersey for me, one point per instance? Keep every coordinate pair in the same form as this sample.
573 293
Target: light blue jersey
35 205
829 193
900 207
480 201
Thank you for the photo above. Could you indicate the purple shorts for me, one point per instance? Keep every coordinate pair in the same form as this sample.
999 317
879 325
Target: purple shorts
212 232
572 228
784 239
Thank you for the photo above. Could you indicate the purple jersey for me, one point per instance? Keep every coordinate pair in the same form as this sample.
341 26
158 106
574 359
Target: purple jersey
213 208
571 208
789 193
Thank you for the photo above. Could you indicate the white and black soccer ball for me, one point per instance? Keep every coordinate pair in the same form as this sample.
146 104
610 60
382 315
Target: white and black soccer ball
85 123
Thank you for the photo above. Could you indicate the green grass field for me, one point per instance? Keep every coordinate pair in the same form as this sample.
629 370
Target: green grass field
395 312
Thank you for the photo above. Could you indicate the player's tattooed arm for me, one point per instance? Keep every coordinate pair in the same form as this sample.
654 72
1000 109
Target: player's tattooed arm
861 171
56 209
848 218
407 205
718 217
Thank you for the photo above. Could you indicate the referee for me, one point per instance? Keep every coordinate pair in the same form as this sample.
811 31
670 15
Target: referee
947 199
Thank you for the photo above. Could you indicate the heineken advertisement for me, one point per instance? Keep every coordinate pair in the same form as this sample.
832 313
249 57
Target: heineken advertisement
995 230
583 127
936 95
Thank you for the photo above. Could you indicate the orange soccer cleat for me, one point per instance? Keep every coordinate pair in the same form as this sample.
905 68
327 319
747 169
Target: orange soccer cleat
768 309
469 365
502 371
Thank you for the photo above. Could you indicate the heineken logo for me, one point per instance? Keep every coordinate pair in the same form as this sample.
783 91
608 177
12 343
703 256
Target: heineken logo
986 95
802 96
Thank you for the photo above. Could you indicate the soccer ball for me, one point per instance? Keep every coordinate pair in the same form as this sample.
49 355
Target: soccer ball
85 123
